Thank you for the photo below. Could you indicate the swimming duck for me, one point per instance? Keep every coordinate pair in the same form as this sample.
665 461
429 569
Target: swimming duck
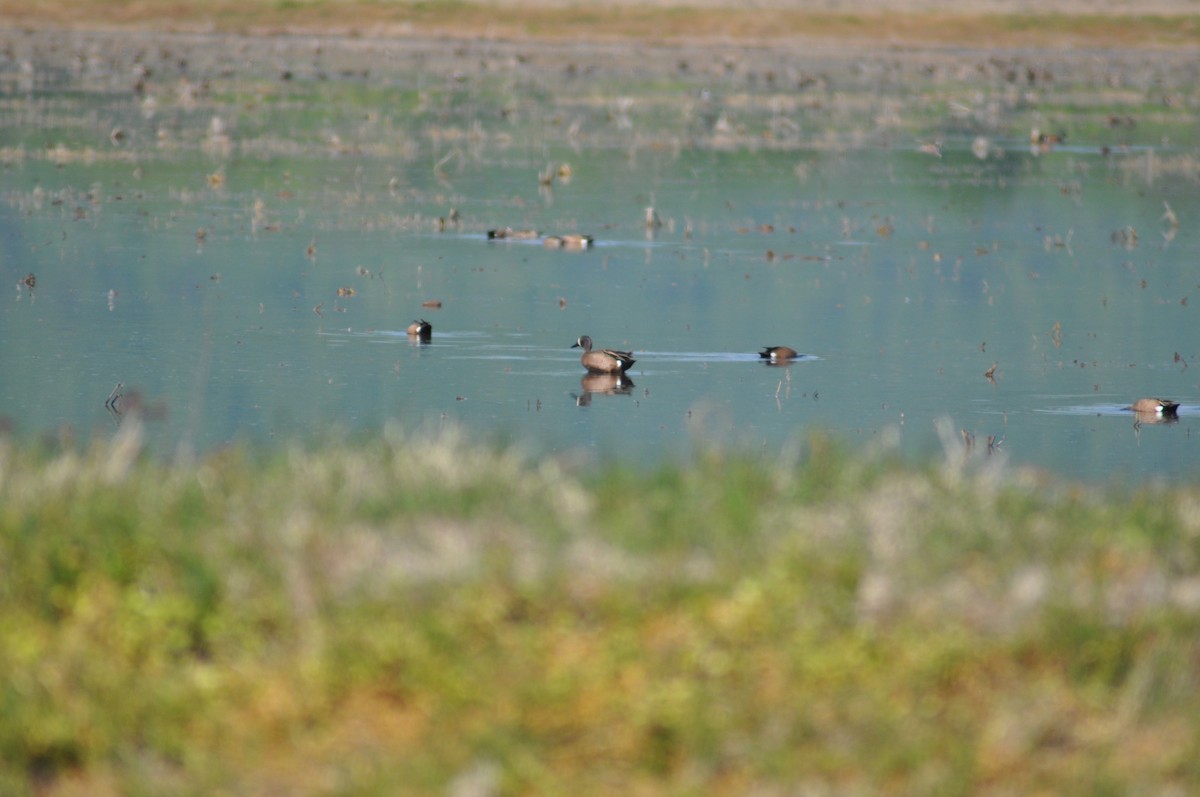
569 241
603 361
1045 141
1155 406
420 329
778 354
510 233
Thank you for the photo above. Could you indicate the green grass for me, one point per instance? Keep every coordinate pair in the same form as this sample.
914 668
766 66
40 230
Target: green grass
411 616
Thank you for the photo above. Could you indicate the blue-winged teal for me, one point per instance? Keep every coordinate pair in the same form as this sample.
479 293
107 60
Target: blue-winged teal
420 329
510 233
569 241
603 361
1155 406
778 354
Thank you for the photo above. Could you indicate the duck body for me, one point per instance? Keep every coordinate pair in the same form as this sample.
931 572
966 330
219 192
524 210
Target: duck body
569 241
1155 406
603 361
508 233
778 354
1044 142
421 329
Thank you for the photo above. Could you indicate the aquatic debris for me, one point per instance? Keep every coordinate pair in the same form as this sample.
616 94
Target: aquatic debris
562 173
110 403
30 281
933 148
435 304
990 374
346 291
653 222
1169 215
993 442
1172 222
1126 237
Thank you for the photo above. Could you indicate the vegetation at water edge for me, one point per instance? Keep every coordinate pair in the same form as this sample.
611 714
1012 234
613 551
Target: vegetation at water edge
435 616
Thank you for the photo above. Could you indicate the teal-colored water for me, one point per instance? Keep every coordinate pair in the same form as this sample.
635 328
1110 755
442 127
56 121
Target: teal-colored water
242 238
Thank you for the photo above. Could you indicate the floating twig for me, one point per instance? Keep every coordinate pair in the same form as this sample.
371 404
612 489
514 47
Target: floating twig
110 403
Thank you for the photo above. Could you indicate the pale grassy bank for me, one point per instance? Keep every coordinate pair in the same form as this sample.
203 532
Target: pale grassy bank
1004 23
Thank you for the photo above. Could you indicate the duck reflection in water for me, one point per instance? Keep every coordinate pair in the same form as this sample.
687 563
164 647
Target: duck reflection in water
602 384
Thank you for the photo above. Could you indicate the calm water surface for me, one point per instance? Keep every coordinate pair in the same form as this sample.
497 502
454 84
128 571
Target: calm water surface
242 247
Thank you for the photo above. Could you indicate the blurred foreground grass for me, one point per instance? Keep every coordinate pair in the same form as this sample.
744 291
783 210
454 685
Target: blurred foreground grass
410 616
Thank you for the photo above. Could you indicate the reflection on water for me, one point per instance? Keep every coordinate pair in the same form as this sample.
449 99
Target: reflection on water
594 384
246 256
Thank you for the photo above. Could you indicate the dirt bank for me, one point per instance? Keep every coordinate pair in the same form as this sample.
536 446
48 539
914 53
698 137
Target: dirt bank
992 23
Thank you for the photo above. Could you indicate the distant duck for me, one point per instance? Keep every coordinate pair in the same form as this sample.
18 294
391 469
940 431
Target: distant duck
1155 406
1045 141
603 361
775 355
420 329
511 234
933 148
569 241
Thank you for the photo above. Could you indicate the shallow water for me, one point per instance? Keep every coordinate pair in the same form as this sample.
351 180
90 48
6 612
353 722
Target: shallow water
241 239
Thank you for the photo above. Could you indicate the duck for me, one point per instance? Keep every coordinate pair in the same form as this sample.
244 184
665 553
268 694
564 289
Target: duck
1155 406
1045 141
421 329
509 233
569 241
775 355
603 361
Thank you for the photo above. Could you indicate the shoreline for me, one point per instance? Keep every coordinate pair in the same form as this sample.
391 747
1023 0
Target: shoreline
860 24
